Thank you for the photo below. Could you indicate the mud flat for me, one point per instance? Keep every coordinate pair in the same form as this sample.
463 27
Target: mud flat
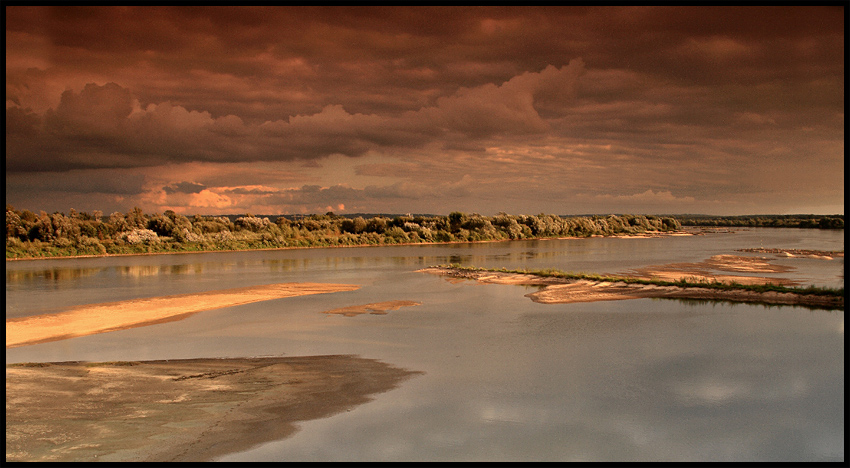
177 410
105 317
563 290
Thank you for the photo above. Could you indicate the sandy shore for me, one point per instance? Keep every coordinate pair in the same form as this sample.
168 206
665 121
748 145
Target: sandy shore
100 318
178 410
561 290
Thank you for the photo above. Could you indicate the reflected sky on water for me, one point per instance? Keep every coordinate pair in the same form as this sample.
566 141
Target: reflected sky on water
504 378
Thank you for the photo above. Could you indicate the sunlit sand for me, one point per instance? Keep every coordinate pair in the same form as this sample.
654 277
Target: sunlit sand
105 317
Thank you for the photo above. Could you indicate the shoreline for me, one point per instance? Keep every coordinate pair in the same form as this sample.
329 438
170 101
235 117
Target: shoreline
178 410
564 291
110 316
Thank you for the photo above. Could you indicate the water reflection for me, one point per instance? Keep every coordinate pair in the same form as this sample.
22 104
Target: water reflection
699 303
639 381
152 270
49 274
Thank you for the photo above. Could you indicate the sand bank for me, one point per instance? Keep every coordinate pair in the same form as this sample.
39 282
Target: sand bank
375 308
802 253
100 318
178 410
562 290
590 291
708 271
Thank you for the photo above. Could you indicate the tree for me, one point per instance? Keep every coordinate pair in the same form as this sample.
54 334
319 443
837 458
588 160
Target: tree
354 226
456 220
136 218
14 225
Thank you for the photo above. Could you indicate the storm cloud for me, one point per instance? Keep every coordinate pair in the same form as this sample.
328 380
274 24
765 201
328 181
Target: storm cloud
722 110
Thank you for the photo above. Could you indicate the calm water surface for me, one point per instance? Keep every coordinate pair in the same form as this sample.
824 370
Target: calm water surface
504 378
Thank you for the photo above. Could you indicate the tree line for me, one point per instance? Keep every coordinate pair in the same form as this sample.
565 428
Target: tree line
80 233
790 221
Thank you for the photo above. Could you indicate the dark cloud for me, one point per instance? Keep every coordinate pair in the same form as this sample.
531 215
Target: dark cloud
102 120
683 105
59 187
96 112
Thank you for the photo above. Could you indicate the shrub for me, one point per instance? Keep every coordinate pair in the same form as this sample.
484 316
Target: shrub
141 236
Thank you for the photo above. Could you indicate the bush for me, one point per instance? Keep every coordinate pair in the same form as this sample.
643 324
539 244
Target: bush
141 236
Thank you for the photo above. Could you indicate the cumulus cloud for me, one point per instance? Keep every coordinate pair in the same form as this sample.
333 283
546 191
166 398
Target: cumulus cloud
108 121
508 108
94 112
209 199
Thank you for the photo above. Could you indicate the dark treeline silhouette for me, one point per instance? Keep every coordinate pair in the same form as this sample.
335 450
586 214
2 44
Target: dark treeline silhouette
789 221
79 233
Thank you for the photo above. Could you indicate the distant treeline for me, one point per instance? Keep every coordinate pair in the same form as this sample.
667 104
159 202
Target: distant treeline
788 221
79 233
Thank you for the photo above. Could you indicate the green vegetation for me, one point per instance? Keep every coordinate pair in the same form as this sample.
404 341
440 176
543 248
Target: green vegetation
30 235
682 283
788 221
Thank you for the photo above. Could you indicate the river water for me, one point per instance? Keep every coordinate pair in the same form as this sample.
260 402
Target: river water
503 378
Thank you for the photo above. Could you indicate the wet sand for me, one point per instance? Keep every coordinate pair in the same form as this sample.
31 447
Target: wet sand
178 410
375 308
105 317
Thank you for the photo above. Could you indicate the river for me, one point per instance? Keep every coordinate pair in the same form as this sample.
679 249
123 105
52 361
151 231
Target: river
503 378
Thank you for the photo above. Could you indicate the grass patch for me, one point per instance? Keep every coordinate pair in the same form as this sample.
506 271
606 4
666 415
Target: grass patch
112 363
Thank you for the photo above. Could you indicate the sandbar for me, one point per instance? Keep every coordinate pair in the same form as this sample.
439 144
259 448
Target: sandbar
375 308
563 290
111 316
178 410
708 271
803 253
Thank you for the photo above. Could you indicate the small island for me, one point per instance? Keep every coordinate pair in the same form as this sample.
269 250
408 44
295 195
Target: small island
561 287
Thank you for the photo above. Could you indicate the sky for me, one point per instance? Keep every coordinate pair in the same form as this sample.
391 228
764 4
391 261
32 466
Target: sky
523 110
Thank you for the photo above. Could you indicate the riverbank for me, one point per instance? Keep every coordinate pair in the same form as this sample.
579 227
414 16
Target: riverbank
105 317
178 410
559 290
643 235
